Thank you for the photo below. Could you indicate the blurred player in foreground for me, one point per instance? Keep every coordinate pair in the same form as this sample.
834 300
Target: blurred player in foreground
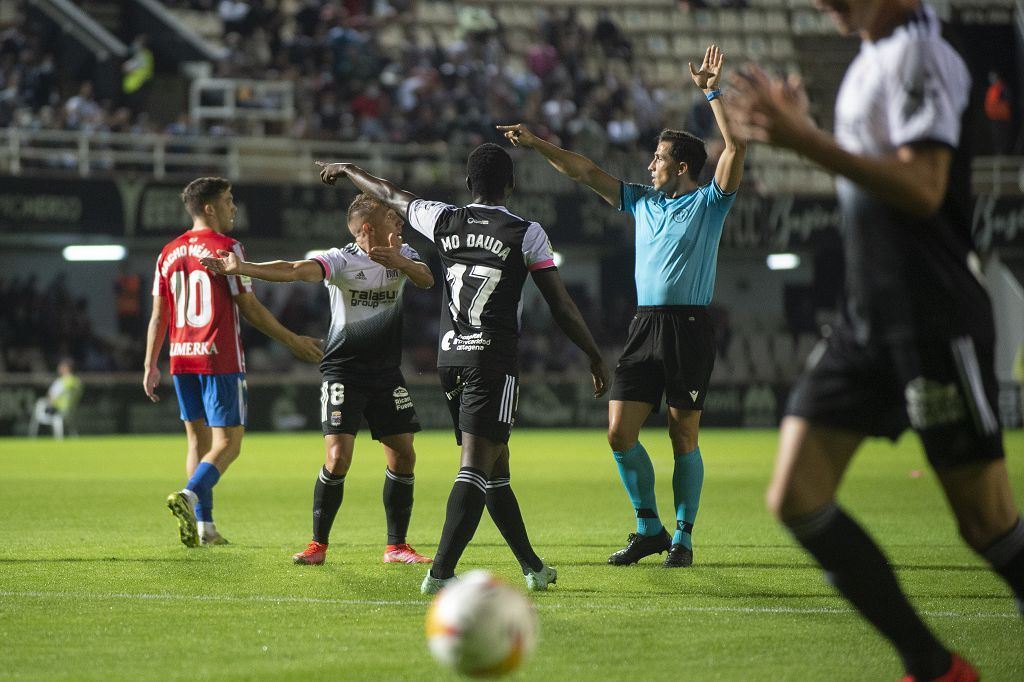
915 343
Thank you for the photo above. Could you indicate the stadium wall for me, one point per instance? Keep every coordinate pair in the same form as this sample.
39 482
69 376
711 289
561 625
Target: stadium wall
279 405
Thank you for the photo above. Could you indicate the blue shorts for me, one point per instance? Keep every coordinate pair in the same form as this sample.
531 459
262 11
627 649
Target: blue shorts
220 399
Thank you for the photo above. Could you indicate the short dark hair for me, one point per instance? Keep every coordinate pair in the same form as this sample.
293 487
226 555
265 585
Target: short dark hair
686 148
202 191
363 205
489 171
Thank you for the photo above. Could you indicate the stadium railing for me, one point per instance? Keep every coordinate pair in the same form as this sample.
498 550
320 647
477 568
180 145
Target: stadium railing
270 159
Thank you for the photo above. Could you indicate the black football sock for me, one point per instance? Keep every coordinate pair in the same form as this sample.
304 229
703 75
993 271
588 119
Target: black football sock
504 510
397 505
462 516
855 565
327 495
1007 558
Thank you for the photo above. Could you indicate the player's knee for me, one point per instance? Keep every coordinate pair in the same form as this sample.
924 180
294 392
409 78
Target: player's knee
337 461
980 530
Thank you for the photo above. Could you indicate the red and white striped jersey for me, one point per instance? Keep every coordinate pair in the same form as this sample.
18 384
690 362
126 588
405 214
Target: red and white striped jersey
204 320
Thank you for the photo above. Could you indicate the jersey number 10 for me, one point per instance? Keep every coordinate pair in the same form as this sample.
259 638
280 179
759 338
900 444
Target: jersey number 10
193 301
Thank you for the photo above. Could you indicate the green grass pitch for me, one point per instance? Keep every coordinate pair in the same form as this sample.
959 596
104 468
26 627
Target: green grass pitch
95 585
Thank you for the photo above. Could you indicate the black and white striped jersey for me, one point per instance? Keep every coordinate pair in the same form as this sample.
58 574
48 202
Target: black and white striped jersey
903 273
366 310
487 252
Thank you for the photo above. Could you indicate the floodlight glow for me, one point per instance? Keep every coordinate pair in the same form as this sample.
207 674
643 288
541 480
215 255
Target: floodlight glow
783 261
558 259
94 252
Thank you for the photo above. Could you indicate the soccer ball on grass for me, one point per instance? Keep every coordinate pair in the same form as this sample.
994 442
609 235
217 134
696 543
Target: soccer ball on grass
480 626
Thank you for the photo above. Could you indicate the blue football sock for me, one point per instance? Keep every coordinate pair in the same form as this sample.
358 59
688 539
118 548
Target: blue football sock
687 481
201 483
637 475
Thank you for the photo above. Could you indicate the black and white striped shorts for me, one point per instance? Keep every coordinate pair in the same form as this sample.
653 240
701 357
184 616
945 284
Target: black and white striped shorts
481 401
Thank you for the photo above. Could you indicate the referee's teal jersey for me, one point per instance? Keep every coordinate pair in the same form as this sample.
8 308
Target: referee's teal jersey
676 242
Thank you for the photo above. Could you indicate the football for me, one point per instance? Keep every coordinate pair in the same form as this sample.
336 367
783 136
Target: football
481 626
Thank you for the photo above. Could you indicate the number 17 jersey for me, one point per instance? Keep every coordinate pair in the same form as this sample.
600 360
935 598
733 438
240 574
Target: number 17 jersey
203 320
487 252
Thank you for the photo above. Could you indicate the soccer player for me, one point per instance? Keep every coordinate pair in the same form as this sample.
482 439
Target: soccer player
487 253
202 314
670 349
361 366
914 345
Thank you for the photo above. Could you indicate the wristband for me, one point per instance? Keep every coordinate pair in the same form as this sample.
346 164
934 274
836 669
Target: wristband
713 94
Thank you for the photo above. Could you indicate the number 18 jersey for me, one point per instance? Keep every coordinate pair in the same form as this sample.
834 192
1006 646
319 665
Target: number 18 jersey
487 252
203 322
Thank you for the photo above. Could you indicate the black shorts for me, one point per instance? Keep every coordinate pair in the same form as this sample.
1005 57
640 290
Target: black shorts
482 401
670 349
943 386
346 398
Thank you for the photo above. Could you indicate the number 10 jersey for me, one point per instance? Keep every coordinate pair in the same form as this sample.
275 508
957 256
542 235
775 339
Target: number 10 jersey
487 253
203 320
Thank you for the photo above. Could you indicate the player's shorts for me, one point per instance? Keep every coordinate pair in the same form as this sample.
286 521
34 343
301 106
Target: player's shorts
943 386
347 398
481 401
670 350
221 399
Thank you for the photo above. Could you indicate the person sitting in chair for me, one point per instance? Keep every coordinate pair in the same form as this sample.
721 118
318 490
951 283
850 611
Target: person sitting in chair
56 408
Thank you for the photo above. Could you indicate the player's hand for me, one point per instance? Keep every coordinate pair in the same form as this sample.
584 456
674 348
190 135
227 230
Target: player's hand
307 349
150 380
518 134
227 264
599 372
389 256
770 110
710 69
330 172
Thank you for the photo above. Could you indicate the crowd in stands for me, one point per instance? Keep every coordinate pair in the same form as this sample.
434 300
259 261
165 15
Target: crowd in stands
577 83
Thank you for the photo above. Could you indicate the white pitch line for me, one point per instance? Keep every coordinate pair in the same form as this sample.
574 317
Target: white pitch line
590 606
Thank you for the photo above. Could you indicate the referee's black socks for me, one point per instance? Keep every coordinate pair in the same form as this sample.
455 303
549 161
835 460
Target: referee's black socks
504 509
855 565
462 516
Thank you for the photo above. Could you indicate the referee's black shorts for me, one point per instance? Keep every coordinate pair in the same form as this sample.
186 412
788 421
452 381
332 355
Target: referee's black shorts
942 384
670 351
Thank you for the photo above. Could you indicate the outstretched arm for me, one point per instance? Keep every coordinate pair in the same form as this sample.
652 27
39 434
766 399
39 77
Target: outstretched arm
305 348
272 271
576 166
913 179
154 342
729 172
394 197
570 321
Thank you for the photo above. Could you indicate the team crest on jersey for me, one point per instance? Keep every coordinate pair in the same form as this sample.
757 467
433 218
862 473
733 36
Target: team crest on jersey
402 399
681 215
336 418
391 273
